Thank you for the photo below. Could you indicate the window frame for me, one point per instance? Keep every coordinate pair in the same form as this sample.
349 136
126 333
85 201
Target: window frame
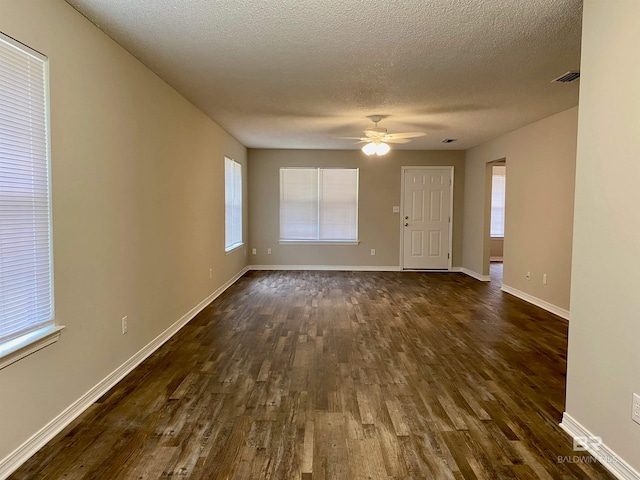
503 206
229 222
317 240
32 340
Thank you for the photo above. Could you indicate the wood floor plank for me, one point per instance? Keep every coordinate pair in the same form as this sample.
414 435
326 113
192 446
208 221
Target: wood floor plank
308 447
391 453
396 415
330 454
337 375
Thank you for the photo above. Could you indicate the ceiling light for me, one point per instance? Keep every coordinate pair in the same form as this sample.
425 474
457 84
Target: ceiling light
369 148
376 148
382 148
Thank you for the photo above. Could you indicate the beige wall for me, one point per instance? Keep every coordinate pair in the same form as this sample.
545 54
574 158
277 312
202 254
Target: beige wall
379 191
539 206
500 168
138 212
605 298
497 248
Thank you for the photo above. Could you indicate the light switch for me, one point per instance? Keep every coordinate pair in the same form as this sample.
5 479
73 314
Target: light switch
396 209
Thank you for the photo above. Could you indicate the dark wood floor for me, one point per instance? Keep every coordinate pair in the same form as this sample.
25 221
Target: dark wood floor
337 375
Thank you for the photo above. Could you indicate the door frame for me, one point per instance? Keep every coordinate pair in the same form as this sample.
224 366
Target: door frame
431 167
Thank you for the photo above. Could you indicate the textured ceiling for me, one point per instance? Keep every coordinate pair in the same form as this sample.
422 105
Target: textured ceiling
298 73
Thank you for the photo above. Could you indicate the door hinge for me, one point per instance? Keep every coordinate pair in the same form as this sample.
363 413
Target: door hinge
448 256
450 181
449 219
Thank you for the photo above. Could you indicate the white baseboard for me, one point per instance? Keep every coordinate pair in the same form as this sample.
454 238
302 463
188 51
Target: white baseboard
348 268
549 307
496 259
21 454
607 457
336 268
476 275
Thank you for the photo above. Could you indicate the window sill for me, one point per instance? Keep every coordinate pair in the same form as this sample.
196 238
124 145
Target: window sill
319 242
233 248
20 347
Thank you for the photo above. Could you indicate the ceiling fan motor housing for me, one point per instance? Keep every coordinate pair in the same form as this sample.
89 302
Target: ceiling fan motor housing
375 132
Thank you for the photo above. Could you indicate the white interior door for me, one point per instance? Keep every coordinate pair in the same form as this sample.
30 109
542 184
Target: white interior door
426 218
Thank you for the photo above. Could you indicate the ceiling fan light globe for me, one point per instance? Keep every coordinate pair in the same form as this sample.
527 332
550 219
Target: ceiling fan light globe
382 149
369 148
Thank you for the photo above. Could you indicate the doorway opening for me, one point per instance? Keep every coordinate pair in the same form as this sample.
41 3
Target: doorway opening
497 211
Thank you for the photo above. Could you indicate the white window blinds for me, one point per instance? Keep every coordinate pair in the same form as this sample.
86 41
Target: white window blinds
233 203
498 190
26 288
319 204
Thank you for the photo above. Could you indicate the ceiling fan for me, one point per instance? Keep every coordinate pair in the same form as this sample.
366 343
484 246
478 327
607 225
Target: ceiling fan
376 139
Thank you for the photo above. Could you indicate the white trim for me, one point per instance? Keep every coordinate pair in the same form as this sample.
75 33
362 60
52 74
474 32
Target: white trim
427 270
336 268
233 248
496 259
538 302
423 167
612 462
319 242
476 275
350 268
22 46
21 454
29 343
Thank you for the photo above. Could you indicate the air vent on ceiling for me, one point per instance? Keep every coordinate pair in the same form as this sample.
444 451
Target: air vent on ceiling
567 77
449 140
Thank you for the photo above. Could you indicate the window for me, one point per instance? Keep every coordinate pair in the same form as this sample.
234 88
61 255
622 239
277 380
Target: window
319 205
232 204
26 285
498 189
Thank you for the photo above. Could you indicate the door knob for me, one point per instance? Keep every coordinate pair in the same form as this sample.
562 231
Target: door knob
406 224
406 218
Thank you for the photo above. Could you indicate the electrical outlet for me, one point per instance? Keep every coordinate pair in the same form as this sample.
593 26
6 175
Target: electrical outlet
373 251
125 325
268 251
635 412
528 275
544 278
253 251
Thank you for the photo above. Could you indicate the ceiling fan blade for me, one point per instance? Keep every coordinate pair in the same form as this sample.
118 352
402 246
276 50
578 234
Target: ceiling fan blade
349 138
407 135
396 140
